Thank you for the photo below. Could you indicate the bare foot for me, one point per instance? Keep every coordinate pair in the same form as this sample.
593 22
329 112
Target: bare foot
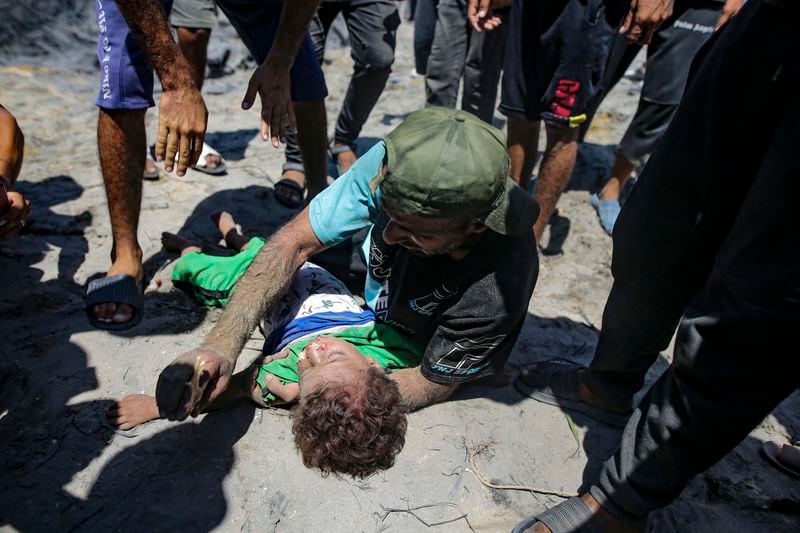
132 411
111 312
176 244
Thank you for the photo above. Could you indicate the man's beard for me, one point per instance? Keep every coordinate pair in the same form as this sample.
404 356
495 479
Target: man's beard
439 251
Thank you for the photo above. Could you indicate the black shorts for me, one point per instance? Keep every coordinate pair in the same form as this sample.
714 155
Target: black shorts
555 56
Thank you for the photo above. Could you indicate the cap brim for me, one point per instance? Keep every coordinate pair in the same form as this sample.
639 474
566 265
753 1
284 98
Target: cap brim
516 212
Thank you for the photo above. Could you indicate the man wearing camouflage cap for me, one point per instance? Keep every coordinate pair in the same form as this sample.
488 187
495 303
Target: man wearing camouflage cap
451 260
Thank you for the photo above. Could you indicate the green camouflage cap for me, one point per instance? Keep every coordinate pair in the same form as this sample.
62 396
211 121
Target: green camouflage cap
447 163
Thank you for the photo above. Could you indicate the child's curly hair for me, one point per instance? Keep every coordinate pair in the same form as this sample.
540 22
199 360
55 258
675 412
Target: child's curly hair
349 429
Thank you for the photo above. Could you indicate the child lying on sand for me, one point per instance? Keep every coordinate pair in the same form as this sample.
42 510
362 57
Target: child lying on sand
328 354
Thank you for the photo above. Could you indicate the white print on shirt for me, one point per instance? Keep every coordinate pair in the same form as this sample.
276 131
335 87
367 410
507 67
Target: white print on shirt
473 356
427 304
376 260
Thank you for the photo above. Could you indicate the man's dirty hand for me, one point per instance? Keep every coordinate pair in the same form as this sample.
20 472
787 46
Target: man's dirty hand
182 120
272 83
191 382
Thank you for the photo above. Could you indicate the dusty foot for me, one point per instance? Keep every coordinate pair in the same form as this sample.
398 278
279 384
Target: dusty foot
176 244
120 313
132 411
345 160
289 195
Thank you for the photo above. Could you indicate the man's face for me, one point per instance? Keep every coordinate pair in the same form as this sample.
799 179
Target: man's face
330 360
426 236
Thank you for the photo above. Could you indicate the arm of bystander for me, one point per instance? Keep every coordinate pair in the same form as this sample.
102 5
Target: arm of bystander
182 114
271 79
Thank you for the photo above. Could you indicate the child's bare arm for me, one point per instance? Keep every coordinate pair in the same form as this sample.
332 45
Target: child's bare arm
288 392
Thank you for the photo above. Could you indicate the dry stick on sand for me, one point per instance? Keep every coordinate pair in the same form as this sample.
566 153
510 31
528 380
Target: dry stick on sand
473 452
410 510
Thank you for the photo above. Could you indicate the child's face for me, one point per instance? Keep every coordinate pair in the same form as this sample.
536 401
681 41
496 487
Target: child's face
330 360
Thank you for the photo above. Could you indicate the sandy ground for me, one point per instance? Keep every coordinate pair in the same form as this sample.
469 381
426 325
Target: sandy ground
64 468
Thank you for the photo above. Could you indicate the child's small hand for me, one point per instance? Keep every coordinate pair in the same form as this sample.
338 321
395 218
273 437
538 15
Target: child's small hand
283 354
286 392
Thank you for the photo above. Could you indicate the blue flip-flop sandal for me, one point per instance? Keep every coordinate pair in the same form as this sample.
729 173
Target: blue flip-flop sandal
607 210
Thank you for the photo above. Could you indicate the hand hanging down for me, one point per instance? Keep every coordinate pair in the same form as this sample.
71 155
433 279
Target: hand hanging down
182 118
272 83
271 79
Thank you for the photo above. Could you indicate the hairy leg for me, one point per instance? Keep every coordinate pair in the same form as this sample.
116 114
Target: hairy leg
121 142
556 168
312 138
523 149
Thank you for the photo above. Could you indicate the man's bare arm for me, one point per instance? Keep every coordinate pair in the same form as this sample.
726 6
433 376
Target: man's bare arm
264 283
196 378
417 391
271 79
182 113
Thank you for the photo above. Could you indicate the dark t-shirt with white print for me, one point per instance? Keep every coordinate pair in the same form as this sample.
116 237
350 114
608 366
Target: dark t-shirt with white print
467 313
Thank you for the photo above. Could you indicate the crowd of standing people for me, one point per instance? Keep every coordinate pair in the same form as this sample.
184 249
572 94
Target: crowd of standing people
450 218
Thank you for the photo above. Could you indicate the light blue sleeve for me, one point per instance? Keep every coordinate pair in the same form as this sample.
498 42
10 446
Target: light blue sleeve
348 205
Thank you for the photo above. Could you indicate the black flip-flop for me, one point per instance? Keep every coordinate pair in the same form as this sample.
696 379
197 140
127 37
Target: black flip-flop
119 289
296 187
556 383
770 450
566 517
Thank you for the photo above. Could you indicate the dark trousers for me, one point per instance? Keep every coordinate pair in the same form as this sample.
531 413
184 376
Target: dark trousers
372 27
669 56
455 51
424 29
709 238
